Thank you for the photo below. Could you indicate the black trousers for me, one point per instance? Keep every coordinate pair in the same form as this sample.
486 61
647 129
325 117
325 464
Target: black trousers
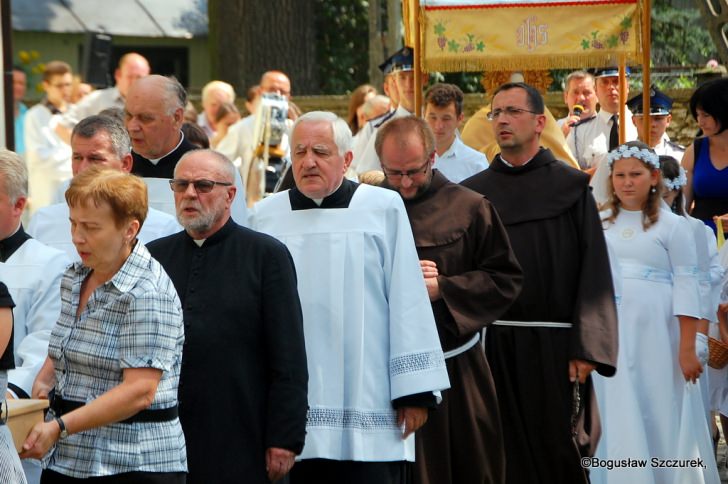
324 471
52 477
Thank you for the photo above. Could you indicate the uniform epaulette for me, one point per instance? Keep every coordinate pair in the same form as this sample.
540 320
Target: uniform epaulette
675 146
584 121
383 119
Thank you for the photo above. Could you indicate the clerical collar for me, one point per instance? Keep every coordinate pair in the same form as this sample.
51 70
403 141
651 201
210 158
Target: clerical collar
154 161
339 199
9 245
215 238
511 165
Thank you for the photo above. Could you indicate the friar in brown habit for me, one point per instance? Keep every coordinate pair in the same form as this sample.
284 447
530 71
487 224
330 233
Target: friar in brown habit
563 324
472 277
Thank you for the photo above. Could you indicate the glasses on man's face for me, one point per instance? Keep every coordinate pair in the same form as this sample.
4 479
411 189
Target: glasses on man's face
201 186
411 174
510 111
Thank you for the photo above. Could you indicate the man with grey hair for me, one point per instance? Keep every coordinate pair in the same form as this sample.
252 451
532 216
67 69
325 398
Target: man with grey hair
32 271
243 381
214 94
96 140
374 357
154 113
579 91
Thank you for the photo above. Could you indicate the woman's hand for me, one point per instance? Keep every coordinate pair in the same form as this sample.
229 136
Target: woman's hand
40 439
690 364
45 381
723 322
723 220
687 356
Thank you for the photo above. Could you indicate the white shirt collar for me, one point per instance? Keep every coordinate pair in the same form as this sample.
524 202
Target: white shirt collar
154 161
450 153
605 116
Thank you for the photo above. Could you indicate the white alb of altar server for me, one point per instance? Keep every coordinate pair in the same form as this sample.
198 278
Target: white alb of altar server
33 276
369 328
51 226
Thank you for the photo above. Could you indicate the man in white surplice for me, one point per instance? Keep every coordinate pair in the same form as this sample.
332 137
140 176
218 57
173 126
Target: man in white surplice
32 271
374 359
96 140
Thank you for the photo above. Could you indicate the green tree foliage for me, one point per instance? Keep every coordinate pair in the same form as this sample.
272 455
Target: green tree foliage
679 36
342 43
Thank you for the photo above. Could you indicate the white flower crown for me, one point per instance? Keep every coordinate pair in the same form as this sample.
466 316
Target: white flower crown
678 182
624 151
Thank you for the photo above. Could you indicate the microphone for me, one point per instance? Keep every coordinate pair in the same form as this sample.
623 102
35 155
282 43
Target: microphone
578 109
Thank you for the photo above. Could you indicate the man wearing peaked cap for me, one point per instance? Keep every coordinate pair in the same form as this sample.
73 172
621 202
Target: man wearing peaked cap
591 139
660 118
390 89
401 64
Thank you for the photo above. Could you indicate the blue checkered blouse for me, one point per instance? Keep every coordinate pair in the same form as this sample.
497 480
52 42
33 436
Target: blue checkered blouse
133 320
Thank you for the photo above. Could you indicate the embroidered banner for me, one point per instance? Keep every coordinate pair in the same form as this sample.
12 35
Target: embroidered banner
476 35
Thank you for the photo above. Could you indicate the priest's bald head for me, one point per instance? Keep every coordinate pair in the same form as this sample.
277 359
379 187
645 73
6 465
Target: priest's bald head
321 153
204 190
406 150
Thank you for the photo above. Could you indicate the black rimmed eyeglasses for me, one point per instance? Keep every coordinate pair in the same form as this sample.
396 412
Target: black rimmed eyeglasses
201 186
398 175
510 111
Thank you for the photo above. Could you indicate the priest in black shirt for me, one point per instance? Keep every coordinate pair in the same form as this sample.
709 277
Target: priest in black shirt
243 385
154 113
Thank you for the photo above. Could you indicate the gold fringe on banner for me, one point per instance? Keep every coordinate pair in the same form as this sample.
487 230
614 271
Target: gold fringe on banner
512 37
517 63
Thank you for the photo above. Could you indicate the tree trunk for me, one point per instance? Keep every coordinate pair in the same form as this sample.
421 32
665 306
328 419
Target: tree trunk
376 53
384 40
394 26
249 37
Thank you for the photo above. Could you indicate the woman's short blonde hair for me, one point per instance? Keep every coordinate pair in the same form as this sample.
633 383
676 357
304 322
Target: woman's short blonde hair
126 194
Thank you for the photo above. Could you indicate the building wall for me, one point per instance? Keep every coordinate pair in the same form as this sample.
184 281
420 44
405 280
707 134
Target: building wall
68 47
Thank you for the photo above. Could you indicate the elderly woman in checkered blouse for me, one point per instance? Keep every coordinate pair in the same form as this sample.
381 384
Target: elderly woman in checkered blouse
114 355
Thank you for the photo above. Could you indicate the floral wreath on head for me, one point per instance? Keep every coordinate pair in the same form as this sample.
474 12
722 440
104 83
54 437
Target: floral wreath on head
625 151
678 182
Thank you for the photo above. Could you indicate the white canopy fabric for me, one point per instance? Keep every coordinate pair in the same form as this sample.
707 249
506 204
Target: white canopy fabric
137 18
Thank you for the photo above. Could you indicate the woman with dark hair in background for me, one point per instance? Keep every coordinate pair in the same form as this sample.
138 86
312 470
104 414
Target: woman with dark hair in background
706 193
